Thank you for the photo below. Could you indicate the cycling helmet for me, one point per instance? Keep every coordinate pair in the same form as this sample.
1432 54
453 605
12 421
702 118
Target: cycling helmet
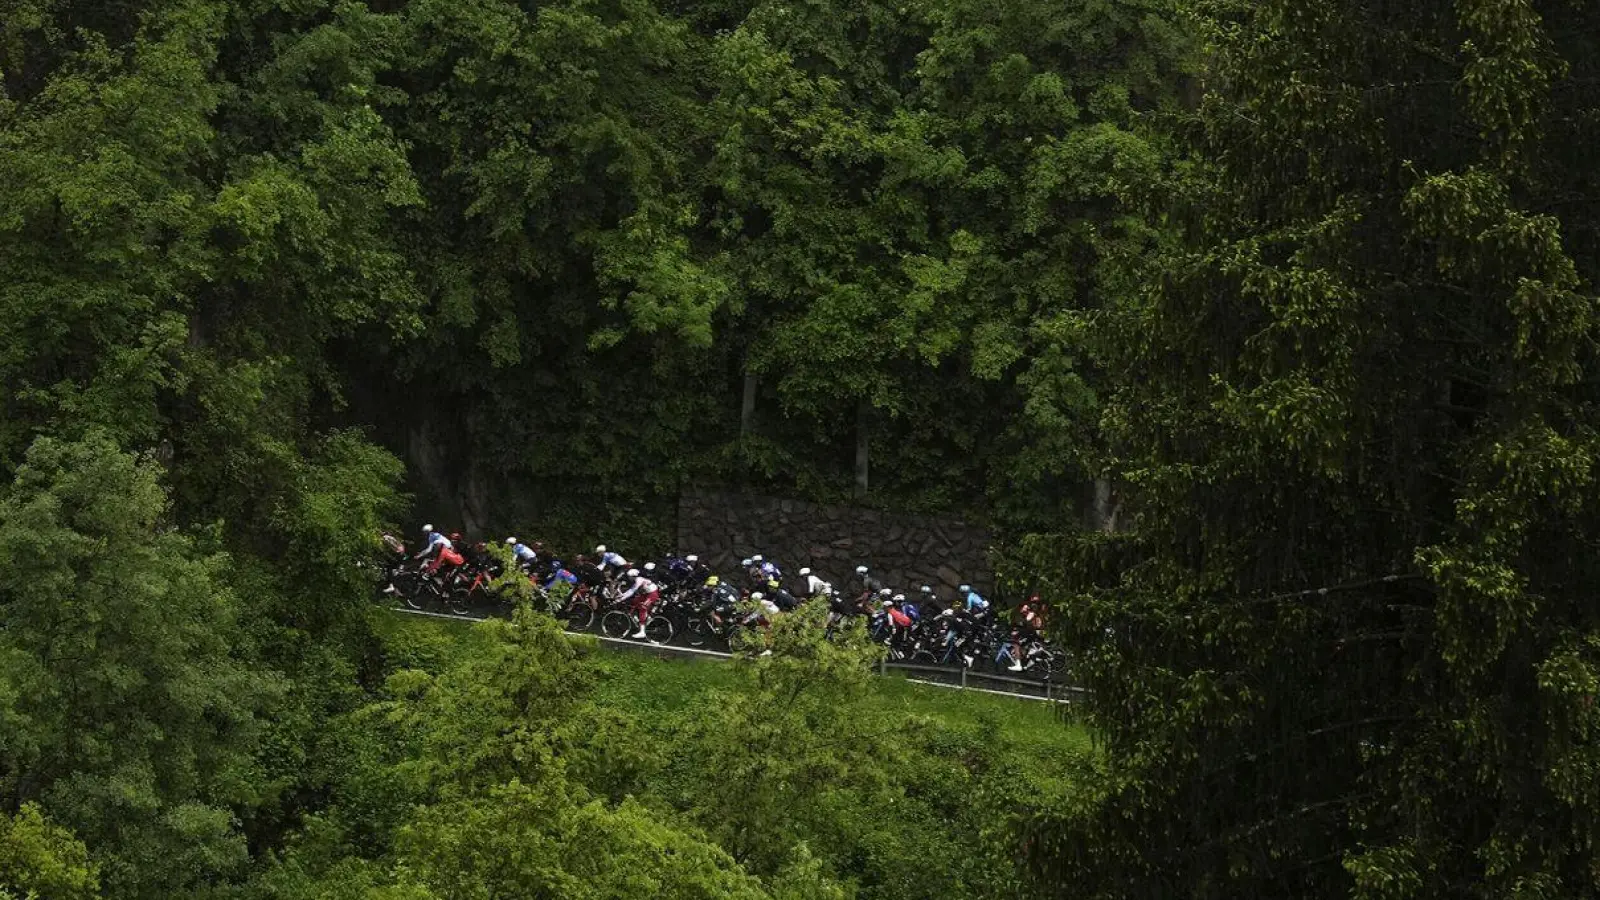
649 567
510 541
861 570
804 572
713 581
756 596
691 558
757 558
965 589
600 549
745 562
885 592
899 598
427 529
633 573
926 589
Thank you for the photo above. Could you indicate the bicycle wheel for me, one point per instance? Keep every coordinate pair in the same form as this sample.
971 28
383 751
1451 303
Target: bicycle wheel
658 630
616 624
459 600
579 617
697 632
1047 664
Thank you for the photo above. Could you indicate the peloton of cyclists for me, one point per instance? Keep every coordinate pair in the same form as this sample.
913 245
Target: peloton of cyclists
763 585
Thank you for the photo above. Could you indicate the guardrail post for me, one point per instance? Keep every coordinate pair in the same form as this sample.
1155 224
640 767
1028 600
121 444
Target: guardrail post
963 676
883 666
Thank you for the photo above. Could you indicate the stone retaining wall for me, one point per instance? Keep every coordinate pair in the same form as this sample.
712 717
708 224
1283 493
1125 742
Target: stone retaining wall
905 551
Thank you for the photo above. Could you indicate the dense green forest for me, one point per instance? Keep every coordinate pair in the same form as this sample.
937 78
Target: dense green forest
1263 334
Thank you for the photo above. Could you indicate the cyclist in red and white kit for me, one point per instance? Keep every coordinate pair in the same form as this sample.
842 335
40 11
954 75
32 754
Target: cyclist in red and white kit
645 594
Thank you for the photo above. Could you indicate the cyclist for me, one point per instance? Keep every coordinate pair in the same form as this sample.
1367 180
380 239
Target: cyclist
678 570
588 573
974 602
610 560
558 574
752 572
815 587
1030 614
785 600
525 555
438 550
897 617
869 586
432 541
769 569
1027 620
698 571
912 611
644 594
766 610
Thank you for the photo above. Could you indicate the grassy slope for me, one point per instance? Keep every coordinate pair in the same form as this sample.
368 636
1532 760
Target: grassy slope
655 688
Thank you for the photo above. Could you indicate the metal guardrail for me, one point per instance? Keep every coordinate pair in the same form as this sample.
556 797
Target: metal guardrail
934 676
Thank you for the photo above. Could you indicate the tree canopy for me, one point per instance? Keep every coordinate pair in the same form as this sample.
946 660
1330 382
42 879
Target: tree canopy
1305 292
1346 647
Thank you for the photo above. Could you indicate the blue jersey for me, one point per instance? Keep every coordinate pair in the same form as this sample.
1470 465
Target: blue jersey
524 552
976 603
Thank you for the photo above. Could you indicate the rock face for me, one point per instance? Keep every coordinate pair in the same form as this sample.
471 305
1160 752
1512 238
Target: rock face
904 551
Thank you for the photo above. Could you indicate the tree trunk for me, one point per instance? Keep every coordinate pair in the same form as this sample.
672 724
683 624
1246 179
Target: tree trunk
747 412
863 413
474 500
1106 506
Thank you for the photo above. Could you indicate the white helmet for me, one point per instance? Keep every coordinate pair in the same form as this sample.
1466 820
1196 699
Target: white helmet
649 567
861 570
756 558
805 571
884 592
427 529
899 598
691 558
600 549
926 589
965 589
745 562
511 540
756 596
633 573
